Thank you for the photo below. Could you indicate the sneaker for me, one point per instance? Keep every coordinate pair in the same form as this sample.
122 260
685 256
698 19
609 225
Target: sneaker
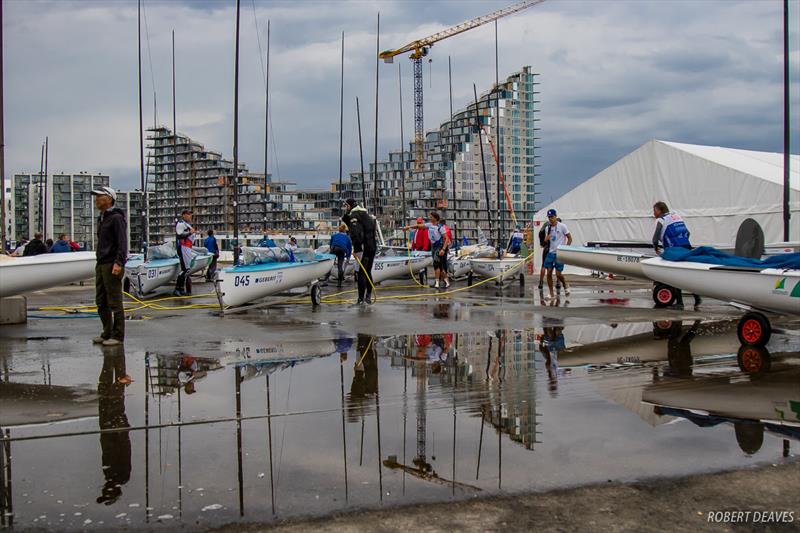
112 342
447 284
358 303
98 340
178 293
435 284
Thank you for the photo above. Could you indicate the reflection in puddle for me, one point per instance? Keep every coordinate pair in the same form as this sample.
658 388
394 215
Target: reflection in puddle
288 428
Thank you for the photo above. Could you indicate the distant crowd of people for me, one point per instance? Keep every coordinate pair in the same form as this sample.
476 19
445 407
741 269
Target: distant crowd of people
38 245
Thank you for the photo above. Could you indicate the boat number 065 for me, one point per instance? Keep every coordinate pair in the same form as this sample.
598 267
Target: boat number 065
241 281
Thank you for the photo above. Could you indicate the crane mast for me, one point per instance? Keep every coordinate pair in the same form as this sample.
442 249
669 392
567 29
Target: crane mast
420 49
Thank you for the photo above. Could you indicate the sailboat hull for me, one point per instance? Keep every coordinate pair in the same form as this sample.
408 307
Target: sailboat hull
393 267
503 270
142 278
19 275
242 284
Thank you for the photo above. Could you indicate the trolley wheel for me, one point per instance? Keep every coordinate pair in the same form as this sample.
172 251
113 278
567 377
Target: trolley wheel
470 278
754 330
423 276
126 285
664 295
521 279
316 295
753 359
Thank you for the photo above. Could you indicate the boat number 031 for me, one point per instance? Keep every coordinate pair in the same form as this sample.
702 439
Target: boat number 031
241 281
152 273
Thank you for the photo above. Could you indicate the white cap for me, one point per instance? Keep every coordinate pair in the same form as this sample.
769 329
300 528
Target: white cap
105 191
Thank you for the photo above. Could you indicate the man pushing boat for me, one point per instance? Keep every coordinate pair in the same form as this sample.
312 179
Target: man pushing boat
362 232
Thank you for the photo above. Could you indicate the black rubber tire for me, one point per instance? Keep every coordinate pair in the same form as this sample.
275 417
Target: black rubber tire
423 276
316 295
753 359
470 278
754 329
126 285
521 279
664 295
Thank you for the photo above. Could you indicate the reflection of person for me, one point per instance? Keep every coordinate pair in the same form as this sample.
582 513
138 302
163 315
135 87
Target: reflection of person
552 342
188 373
115 445
365 374
679 349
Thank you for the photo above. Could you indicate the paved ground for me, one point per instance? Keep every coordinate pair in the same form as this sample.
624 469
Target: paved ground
660 505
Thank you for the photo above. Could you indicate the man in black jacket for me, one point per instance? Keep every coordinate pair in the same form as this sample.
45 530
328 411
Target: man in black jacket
35 247
112 252
362 230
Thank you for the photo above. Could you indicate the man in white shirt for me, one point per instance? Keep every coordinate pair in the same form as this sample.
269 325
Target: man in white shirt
557 234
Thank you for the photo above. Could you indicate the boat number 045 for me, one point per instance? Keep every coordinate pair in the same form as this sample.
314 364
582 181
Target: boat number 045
241 281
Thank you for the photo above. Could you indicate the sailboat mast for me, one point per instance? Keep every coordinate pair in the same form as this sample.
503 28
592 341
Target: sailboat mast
501 215
142 182
266 130
341 117
2 140
236 142
361 154
174 138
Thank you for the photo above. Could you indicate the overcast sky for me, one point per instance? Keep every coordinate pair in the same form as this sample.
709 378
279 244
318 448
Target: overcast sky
614 75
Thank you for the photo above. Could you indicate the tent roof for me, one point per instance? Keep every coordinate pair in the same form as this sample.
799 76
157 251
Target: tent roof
765 165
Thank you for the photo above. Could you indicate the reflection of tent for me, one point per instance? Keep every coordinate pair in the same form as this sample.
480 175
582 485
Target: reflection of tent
713 188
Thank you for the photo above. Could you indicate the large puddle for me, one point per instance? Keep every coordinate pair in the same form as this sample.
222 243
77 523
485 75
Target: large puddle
275 430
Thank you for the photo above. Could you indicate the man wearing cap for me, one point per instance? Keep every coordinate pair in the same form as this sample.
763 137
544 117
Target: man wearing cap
362 230
112 252
184 233
557 234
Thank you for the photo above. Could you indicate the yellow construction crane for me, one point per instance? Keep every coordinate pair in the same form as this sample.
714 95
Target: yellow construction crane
420 48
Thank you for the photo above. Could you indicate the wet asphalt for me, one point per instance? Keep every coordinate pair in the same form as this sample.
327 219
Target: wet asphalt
290 411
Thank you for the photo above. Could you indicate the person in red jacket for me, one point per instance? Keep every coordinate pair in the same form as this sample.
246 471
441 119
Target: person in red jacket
420 241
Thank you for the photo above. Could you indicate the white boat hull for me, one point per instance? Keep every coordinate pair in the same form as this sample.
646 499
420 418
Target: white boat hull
504 270
399 267
622 263
246 283
768 289
349 267
199 263
459 267
143 278
19 275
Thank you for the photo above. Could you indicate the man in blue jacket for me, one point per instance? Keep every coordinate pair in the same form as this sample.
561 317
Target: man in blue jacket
342 248
61 245
211 245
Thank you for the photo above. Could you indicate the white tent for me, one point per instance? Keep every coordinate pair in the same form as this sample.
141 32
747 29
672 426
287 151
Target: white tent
714 189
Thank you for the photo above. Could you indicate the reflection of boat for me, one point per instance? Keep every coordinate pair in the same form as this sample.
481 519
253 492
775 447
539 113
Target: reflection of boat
143 277
241 284
399 266
504 270
19 275
620 262
772 399
241 351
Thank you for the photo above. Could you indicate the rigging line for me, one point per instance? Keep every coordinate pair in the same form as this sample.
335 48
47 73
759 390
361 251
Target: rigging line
149 55
274 146
260 48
